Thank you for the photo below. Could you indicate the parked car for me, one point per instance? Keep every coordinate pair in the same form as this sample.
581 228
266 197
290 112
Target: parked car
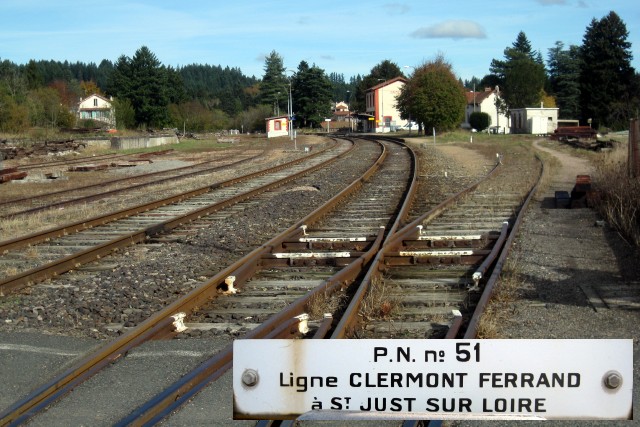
407 127
497 129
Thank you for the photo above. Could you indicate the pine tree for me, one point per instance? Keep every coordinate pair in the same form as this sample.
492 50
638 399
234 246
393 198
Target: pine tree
564 75
606 76
520 76
312 93
144 82
274 89
385 70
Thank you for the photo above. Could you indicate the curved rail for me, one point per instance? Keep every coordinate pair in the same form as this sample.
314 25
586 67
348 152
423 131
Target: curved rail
472 327
169 400
164 323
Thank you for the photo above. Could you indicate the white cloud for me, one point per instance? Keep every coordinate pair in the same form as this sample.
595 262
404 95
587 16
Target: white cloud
397 8
453 29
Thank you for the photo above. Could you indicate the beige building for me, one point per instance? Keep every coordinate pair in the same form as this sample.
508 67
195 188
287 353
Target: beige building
535 121
98 108
485 102
381 106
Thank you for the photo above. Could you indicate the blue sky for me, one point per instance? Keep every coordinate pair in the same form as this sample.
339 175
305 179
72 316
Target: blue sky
348 37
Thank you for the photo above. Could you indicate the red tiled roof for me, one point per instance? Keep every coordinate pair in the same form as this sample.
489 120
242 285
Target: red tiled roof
479 96
388 82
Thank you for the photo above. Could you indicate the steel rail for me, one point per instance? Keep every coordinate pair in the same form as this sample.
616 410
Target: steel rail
104 194
169 400
349 317
411 229
472 327
75 227
159 324
70 262
72 161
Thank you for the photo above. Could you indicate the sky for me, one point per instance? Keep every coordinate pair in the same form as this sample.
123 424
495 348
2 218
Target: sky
344 37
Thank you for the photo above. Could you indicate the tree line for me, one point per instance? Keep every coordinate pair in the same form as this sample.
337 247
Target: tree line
593 82
146 94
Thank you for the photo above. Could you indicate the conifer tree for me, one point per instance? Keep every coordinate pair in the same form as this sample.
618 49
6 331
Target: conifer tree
607 78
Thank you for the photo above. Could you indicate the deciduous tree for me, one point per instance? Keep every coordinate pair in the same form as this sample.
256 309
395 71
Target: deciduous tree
433 96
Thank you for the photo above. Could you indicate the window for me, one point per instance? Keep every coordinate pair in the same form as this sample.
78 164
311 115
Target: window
277 125
95 102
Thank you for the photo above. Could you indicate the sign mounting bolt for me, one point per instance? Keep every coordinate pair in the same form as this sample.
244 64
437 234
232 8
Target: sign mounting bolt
612 380
250 377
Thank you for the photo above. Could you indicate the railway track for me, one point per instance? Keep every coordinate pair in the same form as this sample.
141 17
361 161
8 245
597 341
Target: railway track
67 162
427 280
310 267
158 325
114 187
43 255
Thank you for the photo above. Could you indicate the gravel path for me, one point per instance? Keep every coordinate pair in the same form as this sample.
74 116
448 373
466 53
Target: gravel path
579 280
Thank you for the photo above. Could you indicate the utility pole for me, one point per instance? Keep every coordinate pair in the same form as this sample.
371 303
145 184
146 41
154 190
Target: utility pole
382 103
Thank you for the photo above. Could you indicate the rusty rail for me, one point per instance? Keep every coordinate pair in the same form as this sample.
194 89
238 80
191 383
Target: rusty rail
472 328
104 194
66 229
172 398
158 325
393 242
63 265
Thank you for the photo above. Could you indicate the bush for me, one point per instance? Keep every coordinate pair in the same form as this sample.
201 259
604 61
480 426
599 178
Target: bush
615 199
479 121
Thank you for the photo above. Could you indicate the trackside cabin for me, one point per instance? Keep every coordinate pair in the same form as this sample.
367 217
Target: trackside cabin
277 126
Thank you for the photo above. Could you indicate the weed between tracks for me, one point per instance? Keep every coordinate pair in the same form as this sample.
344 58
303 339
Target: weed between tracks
378 304
320 304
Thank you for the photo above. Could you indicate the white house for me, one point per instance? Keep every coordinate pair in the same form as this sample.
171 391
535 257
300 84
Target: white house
381 103
277 126
536 121
485 102
98 108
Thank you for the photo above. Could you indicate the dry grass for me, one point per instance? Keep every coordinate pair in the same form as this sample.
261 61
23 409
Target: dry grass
322 303
505 293
616 196
551 165
377 304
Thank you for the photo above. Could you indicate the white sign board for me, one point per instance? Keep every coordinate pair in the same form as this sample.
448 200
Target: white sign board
433 379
